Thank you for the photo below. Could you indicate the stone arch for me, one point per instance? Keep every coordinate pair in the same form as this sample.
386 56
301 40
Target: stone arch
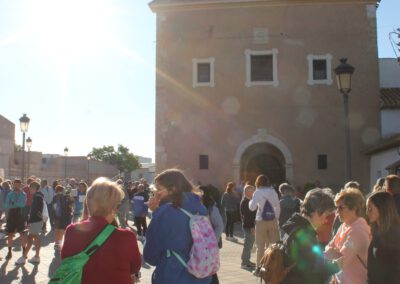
262 136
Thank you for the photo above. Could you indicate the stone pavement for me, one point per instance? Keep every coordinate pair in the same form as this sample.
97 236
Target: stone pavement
230 271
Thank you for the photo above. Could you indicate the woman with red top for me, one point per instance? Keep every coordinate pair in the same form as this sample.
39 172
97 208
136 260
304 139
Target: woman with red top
118 259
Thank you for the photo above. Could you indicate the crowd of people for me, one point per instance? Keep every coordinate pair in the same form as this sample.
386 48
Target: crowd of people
29 209
348 238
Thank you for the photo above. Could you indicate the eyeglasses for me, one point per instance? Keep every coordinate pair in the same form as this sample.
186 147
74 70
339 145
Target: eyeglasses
340 207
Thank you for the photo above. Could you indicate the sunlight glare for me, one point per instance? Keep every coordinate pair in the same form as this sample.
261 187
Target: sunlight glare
67 29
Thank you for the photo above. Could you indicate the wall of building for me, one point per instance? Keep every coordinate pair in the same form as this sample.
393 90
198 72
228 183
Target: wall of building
389 73
380 161
147 171
390 122
7 130
306 119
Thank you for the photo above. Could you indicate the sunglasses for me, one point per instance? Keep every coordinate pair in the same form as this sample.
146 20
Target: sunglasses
340 207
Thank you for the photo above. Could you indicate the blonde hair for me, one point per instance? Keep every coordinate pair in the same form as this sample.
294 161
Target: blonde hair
103 197
353 199
247 188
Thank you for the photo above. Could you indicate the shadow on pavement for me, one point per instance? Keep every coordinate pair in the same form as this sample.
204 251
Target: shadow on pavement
28 278
55 263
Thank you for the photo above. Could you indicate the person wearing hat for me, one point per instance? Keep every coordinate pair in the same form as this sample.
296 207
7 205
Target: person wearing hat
15 203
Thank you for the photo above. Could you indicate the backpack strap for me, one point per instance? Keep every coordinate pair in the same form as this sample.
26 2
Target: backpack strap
99 240
169 251
181 260
186 212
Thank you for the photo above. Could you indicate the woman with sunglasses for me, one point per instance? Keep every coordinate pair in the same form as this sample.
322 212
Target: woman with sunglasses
384 250
349 247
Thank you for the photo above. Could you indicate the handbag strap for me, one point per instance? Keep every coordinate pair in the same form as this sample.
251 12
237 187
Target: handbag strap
99 240
362 262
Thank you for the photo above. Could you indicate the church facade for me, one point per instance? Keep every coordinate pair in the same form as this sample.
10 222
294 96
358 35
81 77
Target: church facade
247 87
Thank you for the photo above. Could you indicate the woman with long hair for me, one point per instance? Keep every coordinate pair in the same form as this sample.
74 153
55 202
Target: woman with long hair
384 250
215 219
230 205
169 230
267 229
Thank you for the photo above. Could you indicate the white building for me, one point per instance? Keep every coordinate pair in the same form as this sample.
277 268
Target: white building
385 156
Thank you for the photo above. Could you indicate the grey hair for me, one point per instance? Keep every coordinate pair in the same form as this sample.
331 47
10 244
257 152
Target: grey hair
286 188
318 200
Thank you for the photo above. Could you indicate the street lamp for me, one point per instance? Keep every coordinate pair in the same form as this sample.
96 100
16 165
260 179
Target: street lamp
88 169
24 125
344 74
29 145
65 154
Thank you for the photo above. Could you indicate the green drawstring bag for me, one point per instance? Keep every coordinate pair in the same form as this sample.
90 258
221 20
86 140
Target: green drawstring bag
70 270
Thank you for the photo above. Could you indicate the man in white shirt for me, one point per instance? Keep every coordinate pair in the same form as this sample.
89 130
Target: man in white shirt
48 194
267 229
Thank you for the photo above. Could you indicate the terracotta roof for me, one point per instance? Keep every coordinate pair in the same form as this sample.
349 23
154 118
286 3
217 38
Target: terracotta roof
390 98
384 144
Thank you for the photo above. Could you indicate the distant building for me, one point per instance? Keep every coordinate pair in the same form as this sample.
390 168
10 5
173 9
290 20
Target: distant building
144 160
7 144
46 166
385 155
147 171
247 87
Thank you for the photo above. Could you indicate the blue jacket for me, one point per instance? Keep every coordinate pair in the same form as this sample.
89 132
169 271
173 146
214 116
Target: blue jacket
169 229
139 208
15 200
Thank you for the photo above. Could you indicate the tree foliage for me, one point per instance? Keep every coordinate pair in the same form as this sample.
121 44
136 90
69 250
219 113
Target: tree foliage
122 157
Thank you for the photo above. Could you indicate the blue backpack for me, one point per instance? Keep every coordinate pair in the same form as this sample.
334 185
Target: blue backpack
268 212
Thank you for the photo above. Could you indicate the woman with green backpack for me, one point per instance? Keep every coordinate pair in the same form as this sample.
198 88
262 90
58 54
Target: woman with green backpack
117 258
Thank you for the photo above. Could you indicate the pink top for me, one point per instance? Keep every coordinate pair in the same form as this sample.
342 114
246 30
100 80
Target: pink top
350 241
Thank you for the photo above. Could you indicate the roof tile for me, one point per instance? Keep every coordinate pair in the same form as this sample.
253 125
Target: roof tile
390 98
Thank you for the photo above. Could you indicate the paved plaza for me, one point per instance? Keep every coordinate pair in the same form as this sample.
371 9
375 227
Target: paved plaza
230 271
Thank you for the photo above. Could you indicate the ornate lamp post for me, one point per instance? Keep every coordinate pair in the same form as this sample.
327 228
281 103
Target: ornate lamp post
88 169
344 74
24 125
65 168
29 145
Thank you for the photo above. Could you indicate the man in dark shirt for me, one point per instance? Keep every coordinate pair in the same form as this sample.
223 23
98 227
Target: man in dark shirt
392 185
248 223
35 223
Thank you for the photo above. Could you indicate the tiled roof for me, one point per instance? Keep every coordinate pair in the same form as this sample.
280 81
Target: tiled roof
384 144
390 98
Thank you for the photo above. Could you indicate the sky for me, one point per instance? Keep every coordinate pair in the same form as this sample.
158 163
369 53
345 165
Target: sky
84 71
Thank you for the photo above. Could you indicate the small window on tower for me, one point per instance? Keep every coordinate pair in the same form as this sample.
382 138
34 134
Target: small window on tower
319 69
203 159
203 72
322 162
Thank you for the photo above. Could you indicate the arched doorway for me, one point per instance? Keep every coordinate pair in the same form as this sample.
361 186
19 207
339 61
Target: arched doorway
276 147
262 158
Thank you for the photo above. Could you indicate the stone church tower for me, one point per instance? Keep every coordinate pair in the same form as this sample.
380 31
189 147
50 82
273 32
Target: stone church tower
247 87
